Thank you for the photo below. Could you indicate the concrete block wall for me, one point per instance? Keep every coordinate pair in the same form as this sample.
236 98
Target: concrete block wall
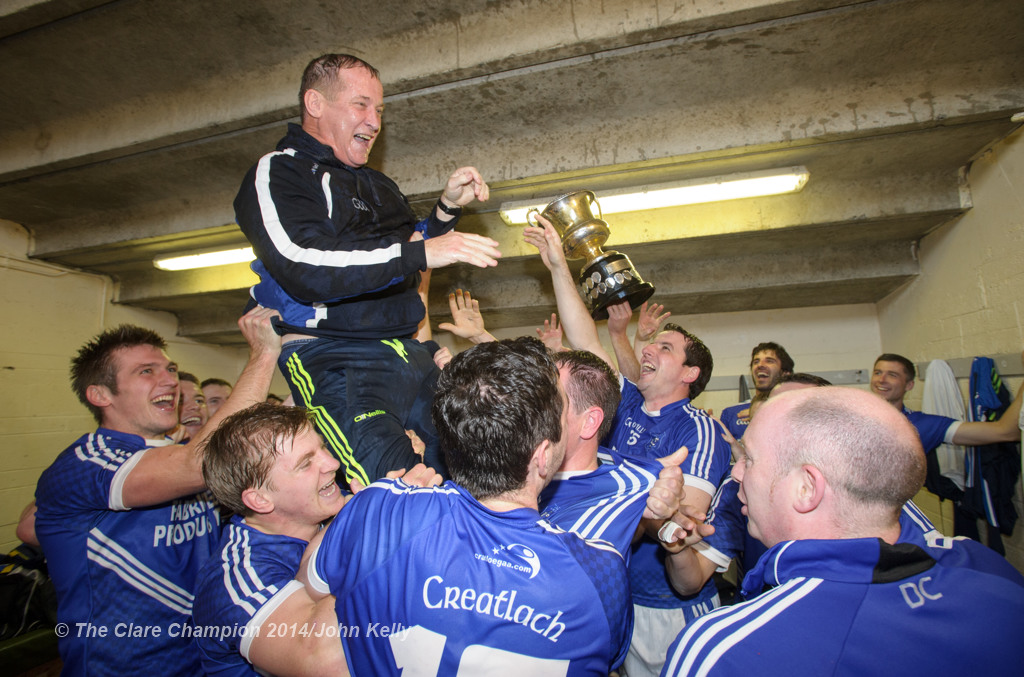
969 298
49 313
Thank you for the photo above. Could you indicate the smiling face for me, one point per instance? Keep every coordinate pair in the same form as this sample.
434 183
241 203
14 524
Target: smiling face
301 482
890 381
193 413
349 118
146 401
664 378
765 370
215 395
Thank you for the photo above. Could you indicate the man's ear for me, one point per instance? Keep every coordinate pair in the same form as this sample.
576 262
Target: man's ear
592 420
691 373
809 488
540 458
258 501
314 103
910 385
98 396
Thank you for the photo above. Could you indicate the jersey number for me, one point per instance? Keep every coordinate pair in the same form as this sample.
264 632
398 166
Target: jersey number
419 655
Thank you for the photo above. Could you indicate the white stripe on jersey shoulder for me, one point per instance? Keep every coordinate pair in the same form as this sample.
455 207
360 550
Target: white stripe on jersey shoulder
95 450
725 627
915 515
633 482
593 542
241 580
109 554
397 486
702 458
778 556
294 252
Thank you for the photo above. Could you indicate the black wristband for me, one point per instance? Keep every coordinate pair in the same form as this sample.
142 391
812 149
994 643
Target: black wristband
450 211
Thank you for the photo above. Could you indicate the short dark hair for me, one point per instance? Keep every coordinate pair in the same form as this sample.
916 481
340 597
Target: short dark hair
94 363
322 74
787 362
191 378
697 355
495 403
241 452
805 378
908 366
215 382
592 383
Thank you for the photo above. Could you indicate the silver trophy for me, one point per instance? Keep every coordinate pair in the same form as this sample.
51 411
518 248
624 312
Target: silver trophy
607 277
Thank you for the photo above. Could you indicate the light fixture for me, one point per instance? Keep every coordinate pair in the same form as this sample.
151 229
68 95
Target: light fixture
206 259
678 193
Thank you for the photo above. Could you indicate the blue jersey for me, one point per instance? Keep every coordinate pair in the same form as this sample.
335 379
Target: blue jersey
124 578
237 591
432 579
732 538
863 607
930 428
730 418
652 435
606 503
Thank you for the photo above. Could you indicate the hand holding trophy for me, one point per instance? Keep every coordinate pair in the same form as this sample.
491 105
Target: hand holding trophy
607 277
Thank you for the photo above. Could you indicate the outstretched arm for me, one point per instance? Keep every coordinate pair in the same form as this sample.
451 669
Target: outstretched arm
577 323
619 315
463 186
1004 429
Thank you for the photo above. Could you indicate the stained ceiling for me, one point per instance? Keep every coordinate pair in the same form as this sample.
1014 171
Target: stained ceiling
127 126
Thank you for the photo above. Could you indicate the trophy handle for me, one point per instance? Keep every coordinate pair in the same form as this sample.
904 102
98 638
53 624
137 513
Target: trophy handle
530 213
592 199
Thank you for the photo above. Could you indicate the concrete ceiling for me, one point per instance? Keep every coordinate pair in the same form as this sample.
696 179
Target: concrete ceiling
126 128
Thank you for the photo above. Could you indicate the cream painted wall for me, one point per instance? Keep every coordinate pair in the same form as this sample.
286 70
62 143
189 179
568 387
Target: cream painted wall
49 313
969 298
825 338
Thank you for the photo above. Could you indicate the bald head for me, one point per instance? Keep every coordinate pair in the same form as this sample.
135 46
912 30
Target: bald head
865 448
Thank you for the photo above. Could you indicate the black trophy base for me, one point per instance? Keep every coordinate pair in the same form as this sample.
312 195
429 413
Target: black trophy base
612 279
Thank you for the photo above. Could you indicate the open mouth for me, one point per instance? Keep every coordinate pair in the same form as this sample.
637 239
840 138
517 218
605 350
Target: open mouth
167 401
329 489
191 421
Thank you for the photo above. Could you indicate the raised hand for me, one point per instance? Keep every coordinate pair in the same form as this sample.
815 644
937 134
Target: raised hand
551 334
